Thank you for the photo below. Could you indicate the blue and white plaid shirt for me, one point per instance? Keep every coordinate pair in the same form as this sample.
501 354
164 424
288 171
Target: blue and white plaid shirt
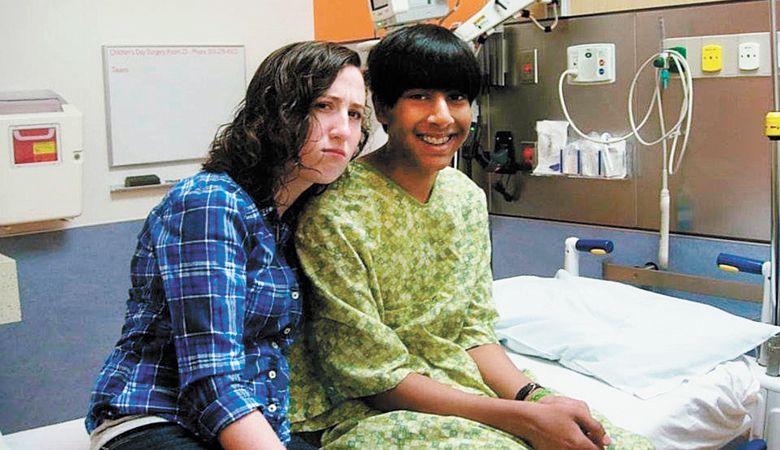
212 306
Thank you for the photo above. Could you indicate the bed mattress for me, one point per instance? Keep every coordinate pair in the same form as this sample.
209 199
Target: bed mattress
705 412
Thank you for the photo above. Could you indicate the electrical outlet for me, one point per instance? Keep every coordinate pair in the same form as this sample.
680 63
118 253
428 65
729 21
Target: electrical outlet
734 59
711 58
749 54
723 62
527 67
764 55
731 49
594 63
527 155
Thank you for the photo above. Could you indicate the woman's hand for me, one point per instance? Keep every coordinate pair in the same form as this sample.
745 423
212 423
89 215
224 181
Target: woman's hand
562 423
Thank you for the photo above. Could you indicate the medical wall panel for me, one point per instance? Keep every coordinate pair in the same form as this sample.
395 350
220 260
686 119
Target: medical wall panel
722 188
516 107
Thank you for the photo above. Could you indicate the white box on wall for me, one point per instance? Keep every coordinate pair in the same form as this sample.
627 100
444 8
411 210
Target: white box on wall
41 146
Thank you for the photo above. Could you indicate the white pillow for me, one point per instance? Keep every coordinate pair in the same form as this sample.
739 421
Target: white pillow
635 340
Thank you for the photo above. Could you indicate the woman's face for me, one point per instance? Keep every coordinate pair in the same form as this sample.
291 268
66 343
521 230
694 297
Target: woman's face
334 134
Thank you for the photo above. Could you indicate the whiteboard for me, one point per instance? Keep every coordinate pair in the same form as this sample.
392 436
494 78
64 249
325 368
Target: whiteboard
165 103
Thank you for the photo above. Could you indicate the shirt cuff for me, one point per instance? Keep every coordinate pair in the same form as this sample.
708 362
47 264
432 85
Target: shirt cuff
223 411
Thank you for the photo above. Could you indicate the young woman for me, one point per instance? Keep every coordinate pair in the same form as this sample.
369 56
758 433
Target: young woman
398 253
215 298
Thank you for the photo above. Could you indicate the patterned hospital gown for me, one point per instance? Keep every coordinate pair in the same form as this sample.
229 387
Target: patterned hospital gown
399 287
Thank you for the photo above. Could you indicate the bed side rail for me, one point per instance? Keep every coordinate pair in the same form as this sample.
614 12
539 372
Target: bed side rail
682 282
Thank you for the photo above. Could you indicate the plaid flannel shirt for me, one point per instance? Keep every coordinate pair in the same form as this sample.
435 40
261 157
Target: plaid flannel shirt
212 306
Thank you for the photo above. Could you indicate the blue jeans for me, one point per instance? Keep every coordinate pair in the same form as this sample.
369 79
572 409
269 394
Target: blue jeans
167 436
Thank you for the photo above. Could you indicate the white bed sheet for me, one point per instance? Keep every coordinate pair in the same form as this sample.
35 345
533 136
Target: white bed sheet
703 413
639 341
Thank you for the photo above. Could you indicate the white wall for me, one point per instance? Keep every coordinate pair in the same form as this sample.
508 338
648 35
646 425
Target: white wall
56 44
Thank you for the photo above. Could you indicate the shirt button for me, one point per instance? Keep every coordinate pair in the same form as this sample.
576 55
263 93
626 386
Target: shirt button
271 408
272 374
274 344
295 295
287 330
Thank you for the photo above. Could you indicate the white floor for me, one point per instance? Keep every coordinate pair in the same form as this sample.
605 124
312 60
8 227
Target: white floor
69 435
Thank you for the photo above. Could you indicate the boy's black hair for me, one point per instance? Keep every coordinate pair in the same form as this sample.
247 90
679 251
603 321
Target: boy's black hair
422 56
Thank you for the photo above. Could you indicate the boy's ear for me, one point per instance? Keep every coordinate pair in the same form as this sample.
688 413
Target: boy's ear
380 111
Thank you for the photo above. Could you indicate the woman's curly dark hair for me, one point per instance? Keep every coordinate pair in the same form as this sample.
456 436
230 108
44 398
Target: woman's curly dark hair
272 123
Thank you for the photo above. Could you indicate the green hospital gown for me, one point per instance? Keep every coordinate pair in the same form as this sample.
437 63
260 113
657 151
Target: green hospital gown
399 286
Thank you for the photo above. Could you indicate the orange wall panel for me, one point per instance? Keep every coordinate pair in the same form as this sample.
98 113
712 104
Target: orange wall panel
350 20
466 9
342 20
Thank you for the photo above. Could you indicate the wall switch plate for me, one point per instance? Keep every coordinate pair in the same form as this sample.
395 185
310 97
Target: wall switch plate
749 54
527 67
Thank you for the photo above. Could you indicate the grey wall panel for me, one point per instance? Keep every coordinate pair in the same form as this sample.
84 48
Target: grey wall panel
535 247
517 108
724 180
725 173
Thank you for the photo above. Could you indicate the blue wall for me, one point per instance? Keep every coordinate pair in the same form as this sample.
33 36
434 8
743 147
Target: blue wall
535 247
73 287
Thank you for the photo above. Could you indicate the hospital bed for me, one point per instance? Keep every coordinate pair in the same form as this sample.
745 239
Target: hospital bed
719 400
679 378
709 412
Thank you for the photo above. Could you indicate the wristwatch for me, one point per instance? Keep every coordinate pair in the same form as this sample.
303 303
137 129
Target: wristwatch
524 391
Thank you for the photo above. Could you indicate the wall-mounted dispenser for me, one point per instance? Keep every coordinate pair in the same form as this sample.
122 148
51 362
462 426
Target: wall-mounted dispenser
40 157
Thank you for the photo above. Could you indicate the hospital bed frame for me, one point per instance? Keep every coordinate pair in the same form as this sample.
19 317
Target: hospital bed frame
766 416
765 424
648 277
